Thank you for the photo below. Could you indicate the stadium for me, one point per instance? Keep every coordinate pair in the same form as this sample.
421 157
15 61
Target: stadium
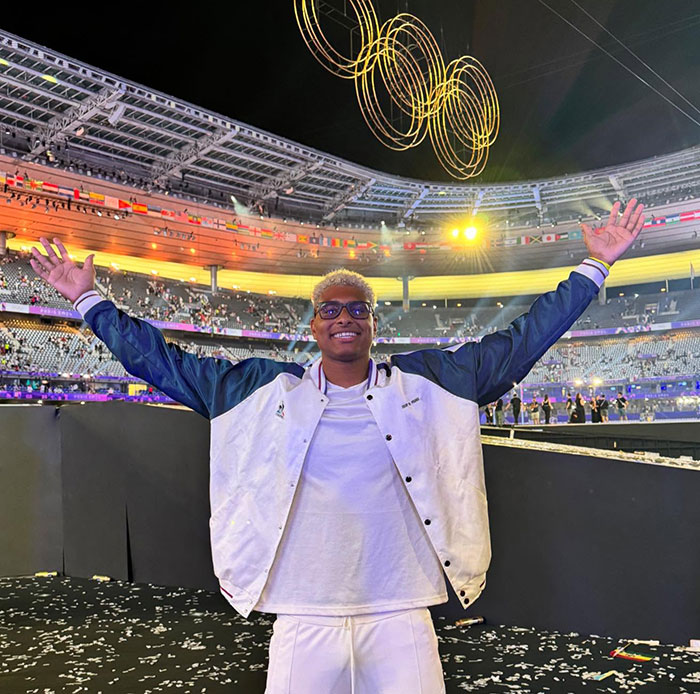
215 232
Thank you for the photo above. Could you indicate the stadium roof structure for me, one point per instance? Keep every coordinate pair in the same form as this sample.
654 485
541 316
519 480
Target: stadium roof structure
58 109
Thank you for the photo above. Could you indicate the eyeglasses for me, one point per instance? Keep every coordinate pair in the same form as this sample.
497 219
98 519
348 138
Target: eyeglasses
332 309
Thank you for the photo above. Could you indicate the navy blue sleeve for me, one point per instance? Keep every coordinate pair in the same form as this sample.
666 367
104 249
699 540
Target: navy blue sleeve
207 385
483 371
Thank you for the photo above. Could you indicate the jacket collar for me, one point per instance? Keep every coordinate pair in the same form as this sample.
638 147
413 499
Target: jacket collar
317 375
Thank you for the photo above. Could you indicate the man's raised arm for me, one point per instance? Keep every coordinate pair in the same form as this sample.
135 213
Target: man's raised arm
205 385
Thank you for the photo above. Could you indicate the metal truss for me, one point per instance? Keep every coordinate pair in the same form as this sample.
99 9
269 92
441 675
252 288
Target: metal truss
91 118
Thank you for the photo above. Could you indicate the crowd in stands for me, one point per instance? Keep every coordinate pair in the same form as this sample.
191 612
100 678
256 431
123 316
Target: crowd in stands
26 345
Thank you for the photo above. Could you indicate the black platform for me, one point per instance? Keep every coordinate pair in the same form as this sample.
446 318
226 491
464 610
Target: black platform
61 635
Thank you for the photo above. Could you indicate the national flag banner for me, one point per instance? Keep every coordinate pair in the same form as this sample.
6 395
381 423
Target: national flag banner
326 241
50 187
302 238
290 237
110 201
191 219
575 234
688 216
548 238
170 214
97 198
670 219
336 243
83 195
254 231
142 209
511 241
363 246
314 240
62 190
124 205
279 236
657 221
267 234
231 226
19 180
525 239
242 226
34 184
409 246
349 243
76 194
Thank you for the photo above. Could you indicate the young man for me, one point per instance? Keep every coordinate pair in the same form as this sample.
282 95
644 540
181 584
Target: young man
621 402
342 494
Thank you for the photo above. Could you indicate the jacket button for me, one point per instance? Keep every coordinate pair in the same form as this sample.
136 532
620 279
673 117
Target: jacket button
388 437
408 479
466 601
447 563
427 521
462 593
369 397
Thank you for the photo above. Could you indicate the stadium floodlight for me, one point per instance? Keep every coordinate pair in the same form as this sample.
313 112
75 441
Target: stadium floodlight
470 233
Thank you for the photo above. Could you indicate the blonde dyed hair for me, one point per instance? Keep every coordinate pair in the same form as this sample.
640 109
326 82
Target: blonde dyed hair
343 278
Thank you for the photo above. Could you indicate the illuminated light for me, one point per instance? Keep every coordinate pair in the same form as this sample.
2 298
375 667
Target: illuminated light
596 381
193 279
153 245
622 293
192 250
422 304
455 104
49 78
442 192
455 233
115 266
4 62
352 253
154 272
470 233
71 256
387 303
459 305
578 382
663 289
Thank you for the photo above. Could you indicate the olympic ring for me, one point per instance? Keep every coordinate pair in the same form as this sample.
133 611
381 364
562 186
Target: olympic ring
400 73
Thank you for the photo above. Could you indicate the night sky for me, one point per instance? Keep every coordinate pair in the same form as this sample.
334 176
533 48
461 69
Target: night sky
565 106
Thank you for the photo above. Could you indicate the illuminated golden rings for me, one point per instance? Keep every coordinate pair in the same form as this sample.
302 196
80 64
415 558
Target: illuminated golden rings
405 90
306 12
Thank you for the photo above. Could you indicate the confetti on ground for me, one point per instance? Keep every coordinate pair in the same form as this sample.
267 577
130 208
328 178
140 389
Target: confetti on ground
63 635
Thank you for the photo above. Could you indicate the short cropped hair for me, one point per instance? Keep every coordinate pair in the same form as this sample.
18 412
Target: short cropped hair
343 278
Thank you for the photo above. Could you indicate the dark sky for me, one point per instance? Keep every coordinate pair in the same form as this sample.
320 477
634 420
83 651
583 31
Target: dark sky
565 106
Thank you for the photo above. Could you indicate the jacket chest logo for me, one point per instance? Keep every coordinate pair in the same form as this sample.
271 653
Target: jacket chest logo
409 403
280 410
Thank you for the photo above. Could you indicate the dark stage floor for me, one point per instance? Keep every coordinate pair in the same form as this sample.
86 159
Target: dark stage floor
75 635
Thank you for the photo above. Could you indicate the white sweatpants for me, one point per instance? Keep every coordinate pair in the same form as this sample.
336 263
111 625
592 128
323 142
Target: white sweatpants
383 653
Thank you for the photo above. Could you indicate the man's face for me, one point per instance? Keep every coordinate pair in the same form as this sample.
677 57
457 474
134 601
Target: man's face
344 338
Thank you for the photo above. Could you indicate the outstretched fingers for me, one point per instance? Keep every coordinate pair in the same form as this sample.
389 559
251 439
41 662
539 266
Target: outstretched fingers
628 213
49 249
40 263
62 249
612 219
634 219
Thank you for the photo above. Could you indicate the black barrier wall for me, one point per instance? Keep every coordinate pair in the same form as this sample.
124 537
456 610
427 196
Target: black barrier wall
580 544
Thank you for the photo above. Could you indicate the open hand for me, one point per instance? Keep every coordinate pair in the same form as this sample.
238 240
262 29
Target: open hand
608 243
62 273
